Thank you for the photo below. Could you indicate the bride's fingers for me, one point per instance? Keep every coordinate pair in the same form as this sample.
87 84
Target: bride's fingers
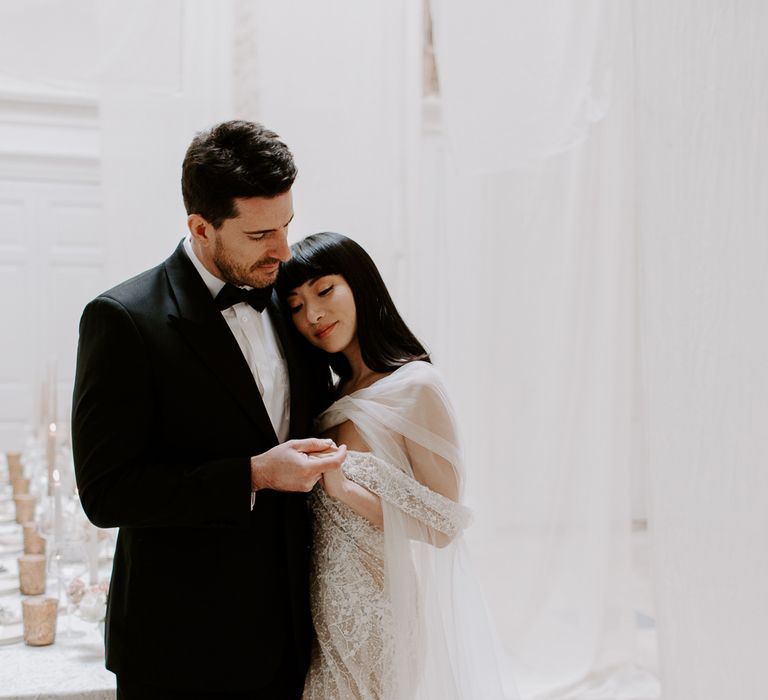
333 459
324 453
311 445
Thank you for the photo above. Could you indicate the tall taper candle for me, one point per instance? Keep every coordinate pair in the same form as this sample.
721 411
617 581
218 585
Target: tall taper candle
51 455
44 418
58 511
54 410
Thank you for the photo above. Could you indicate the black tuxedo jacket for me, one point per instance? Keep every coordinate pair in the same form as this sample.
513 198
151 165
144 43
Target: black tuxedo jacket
205 593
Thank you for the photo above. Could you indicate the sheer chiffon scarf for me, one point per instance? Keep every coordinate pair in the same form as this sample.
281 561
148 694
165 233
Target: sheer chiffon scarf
442 646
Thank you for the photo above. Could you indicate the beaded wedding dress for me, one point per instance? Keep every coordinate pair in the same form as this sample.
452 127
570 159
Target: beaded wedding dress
396 613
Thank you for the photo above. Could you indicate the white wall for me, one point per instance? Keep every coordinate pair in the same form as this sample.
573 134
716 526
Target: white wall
53 254
92 135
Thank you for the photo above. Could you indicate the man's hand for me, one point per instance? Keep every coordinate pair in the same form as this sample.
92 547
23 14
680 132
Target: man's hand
295 465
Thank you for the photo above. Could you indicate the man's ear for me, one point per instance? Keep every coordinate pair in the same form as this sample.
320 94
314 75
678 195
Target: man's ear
199 228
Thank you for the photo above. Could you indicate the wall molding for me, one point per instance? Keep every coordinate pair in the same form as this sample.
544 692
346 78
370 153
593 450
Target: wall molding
48 135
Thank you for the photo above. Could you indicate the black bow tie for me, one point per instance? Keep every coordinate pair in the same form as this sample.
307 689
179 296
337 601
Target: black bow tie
231 295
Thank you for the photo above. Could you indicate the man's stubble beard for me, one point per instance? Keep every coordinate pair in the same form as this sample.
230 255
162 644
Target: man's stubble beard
237 274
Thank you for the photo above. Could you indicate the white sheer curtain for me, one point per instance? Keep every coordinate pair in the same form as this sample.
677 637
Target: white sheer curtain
537 113
702 106
571 178
340 81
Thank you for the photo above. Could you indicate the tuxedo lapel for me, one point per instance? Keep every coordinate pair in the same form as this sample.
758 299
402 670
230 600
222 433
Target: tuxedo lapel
209 337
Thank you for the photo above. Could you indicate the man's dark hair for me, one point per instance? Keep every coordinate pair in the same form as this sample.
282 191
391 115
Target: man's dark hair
233 159
386 342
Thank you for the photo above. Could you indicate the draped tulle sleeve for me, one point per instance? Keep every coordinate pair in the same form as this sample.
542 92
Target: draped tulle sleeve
428 507
443 644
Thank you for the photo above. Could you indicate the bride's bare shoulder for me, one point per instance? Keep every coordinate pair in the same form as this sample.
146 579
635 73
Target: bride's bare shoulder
347 434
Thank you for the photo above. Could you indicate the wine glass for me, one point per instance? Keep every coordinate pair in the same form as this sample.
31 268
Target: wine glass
69 561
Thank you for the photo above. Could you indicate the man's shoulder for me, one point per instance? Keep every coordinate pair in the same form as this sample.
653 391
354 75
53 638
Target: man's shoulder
138 290
146 289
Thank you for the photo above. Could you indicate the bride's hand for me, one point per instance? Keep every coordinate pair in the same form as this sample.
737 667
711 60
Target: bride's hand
334 482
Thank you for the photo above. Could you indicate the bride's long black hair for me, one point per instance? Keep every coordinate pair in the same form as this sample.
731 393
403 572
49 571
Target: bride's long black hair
386 343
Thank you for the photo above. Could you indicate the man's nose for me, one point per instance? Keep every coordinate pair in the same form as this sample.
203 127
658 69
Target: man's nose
281 250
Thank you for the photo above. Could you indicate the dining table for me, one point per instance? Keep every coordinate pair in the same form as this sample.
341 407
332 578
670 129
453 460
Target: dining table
72 667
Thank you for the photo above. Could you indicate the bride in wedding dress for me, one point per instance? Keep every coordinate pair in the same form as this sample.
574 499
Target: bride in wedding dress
397 613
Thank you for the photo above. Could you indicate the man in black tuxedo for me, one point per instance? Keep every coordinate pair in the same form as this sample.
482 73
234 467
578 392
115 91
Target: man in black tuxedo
186 394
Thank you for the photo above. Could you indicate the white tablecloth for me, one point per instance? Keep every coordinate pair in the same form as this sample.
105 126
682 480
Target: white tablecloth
69 669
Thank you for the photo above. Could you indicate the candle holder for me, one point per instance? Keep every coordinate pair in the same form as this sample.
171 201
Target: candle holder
20 485
34 542
39 615
32 574
25 507
15 468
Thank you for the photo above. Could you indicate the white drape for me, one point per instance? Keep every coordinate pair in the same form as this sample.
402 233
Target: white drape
702 106
524 81
340 80
594 177
539 97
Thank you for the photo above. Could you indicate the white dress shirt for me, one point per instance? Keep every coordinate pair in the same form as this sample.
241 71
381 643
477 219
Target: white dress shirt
255 334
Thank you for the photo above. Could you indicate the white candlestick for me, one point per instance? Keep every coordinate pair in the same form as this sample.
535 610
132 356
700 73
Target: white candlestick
58 513
44 418
51 456
54 392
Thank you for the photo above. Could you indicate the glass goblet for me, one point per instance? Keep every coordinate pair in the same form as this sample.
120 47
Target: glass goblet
68 561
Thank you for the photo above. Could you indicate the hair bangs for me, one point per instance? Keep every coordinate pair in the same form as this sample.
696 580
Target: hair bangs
309 260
